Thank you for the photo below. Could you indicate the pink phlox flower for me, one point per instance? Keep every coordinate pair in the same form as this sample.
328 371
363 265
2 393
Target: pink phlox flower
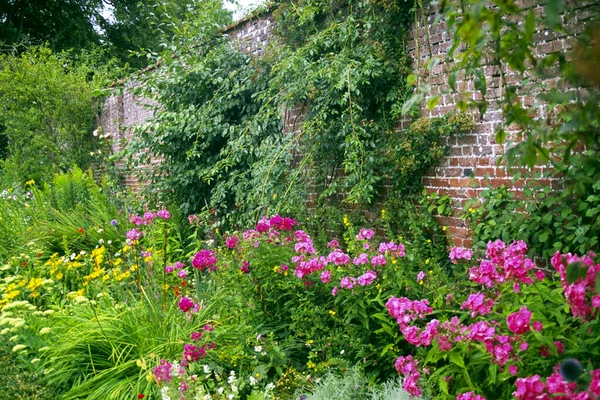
305 247
518 322
182 273
301 236
134 234
334 291
480 331
326 276
478 304
195 336
460 253
347 282
486 274
365 234
338 257
250 235
162 373
405 310
245 268
282 223
378 260
191 353
528 388
334 244
391 246
363 258
205 259
164 214
367 278
185 304
137 220
262 225
494 252
232 241
149 217
169 269
408 368
420 276
469 396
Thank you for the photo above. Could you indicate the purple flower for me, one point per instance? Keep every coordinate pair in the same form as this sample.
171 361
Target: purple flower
420 276
137 220
149 217
185 304
162 373
114 222
365 234
347 282
169 269
231 242
326 276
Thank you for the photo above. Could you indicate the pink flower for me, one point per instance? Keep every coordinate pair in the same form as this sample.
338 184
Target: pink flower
420 276
149 217
334 291
137 220
518 322
528 388
524 346
560 348
596 301
231 242
185 304
164 214
326 276
169 269
244 268
367 278
195 336
478 304
205 259
334 244
513 369
362 259
134 234
338 257
460 253
469 396
162 373
365 234
540 275
538 326
378 260
347 282
182 274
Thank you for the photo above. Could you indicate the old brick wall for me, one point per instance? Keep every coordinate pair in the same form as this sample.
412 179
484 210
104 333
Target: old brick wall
473 161
472 164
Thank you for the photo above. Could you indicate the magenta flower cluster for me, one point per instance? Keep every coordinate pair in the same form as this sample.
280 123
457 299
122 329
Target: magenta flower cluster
581 294
205 259
555 387
134 234
148 217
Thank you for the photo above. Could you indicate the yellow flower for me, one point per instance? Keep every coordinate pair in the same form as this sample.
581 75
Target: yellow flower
125 249
471 210
311 364
217 231
428 240
331 312
59 276
394 261
257 375
444 228
383 214
430 272
30 182
276 268
420 282
427 261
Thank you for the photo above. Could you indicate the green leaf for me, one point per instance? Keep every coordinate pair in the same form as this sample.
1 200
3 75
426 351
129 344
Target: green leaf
432 102
543 237
457 359
500 136
573 271
597 284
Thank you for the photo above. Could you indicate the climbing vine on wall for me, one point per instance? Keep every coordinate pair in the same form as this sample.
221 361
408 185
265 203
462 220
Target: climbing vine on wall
217 127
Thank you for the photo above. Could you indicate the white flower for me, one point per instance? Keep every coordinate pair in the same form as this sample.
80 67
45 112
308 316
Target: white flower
164 393
252 381
109 242
101 241
206 369
72 256
234 388
342 352
230 396
270 386
100 230
221 390
258 349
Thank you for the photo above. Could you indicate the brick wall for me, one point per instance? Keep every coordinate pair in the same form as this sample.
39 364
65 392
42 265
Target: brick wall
473 161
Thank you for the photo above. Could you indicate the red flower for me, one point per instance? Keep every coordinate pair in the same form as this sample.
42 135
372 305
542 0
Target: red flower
24 263
39 254
183 283
80 230
141 396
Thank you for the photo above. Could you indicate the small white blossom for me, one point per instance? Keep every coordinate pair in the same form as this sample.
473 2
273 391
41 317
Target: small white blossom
252 381
221 390
270 386
258 349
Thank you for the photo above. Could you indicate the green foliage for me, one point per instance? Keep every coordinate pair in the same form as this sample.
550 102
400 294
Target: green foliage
47 114
549 220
